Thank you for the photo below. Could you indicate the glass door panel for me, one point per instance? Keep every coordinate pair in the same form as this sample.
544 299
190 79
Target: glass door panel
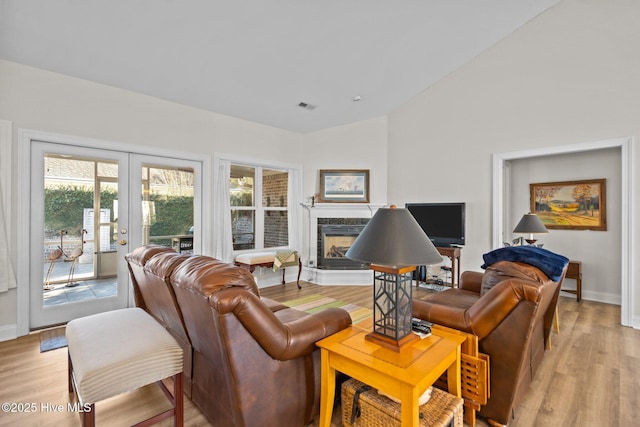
167 206
169 193
73 259
106 229
68 198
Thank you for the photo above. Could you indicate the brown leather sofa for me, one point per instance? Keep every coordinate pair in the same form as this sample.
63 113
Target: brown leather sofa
254 361
150 268
510 308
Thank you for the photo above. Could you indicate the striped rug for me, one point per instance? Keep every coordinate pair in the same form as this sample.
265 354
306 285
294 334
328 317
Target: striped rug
316 302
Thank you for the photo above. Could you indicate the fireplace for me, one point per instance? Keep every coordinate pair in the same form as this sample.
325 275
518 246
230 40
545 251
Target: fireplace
336 270
335 239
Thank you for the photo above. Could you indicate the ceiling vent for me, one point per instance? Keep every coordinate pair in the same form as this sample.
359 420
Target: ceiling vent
306 106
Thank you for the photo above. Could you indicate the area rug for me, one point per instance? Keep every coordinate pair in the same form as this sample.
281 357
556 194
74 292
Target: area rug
316 302
51 339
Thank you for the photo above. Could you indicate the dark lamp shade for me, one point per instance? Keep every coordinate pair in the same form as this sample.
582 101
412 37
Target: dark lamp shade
530 223
394 238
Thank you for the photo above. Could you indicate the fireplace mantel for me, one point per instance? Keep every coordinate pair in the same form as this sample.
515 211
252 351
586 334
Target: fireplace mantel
335 210
342 210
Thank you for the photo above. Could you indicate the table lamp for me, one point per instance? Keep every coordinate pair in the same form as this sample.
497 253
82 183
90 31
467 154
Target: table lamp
530 224
393 243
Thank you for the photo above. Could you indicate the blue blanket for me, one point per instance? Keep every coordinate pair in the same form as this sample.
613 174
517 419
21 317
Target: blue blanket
550 263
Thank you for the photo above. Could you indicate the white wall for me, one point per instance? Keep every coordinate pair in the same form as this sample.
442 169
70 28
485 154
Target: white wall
39 100
568 76
360 145
51 102
599 251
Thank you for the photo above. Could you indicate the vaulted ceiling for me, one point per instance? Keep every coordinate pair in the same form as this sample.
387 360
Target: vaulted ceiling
259 60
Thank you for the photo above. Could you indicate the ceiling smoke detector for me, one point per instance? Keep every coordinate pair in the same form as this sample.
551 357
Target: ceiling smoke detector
306 106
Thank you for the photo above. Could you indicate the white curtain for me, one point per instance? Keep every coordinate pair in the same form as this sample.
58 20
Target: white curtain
7 275
222 236
294 202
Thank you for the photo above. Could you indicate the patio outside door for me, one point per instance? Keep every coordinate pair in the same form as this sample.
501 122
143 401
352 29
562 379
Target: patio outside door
83 223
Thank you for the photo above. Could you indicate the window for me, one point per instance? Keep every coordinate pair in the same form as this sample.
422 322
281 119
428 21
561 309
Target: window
259 211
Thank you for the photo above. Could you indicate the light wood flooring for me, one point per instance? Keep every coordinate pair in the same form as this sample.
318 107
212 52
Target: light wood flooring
590 377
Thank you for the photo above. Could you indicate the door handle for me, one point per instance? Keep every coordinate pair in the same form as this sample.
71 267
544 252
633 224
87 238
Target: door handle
122 242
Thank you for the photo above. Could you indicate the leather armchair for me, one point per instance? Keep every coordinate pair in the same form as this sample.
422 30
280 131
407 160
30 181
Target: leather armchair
255 361
510 309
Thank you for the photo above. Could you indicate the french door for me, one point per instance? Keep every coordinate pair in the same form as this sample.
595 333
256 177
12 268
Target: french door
89 207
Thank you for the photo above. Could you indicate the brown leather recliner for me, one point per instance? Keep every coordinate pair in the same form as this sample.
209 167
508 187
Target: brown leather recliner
510 309
255 362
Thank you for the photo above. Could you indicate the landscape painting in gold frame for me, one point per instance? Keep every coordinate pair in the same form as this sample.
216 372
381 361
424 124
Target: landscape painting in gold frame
571 205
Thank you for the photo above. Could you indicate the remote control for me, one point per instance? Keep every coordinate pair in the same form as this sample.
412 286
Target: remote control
415 321
421 326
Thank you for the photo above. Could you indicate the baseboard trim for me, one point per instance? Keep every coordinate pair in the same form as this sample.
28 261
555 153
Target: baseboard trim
338 277
604 297
8 332
635 320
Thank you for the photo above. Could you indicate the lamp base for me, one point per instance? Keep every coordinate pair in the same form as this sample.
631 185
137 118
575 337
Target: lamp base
390 343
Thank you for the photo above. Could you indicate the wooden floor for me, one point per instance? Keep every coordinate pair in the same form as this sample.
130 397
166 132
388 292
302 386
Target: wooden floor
590 377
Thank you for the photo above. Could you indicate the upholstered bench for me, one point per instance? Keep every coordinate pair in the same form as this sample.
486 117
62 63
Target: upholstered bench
119 351
272 259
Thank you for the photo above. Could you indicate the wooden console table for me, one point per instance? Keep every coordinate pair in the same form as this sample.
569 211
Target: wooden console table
405 374
574 271
453 253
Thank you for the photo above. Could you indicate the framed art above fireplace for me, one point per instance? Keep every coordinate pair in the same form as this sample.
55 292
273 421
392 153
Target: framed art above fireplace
344 186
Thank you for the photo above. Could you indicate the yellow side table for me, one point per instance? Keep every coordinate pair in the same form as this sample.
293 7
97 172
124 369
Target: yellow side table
405 374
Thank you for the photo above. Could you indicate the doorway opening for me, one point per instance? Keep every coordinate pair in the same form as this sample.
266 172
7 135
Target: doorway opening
500 163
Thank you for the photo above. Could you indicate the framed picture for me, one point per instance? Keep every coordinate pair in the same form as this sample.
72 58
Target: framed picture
571 205
346 186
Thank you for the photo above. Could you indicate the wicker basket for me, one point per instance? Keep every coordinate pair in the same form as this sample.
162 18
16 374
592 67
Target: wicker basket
442 409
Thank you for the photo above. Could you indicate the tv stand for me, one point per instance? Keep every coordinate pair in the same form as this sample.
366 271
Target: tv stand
453 253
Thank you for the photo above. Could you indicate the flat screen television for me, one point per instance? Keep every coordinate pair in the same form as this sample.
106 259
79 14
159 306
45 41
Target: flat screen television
442 222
